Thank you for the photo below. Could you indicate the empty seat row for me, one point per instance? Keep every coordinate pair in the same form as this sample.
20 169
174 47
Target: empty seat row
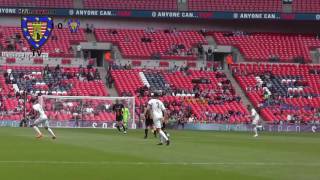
146 44
266 46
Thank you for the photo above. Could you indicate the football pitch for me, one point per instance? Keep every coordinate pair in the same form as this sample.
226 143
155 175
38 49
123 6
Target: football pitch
98 154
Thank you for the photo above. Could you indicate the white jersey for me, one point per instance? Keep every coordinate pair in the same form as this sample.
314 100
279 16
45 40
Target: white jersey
37 107
255 116
156 107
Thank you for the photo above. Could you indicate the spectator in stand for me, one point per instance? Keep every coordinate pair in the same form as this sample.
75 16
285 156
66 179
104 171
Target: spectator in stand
229 60
91 28
79 48
150 30
209 54
200 50
88 30
189 52
173 30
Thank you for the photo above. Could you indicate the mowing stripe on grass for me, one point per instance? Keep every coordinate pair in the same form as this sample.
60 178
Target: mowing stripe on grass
88 163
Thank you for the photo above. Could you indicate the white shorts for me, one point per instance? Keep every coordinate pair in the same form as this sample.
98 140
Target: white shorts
45 122
255 121
157 123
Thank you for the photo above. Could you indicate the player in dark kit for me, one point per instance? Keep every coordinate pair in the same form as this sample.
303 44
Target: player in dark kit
24 121
118 109
148 124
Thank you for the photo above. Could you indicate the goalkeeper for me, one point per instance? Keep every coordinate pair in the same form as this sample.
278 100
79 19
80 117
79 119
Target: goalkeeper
126 116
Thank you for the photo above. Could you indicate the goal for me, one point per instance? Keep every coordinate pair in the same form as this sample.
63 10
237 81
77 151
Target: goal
85 111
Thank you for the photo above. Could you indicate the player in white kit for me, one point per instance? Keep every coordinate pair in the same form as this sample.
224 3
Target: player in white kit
158 113
42 119
255 120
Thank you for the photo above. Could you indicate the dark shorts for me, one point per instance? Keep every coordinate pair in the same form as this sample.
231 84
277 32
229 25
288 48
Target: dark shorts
149 122
119 118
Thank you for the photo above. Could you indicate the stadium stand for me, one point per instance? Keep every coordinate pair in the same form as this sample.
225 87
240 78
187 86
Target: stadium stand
235 5
11 39
279 90
45 80
38 3
126 81
134 4
306 6
298 6
213 101
269 46
72 110
150 43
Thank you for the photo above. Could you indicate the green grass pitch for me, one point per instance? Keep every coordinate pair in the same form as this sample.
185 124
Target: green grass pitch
97 154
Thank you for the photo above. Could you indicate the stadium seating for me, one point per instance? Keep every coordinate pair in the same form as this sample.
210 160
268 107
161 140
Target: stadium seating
68 110
306 6
37 81
55 48
181 81
178 88
161 45
235 5
299 6
295 89
263 46
38 3
127 81
133 4
156 81
80 88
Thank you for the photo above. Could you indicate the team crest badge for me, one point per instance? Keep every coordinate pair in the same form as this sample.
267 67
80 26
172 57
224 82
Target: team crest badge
73 25
36 30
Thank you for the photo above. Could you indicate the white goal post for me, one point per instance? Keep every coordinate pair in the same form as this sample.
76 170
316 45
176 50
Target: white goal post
85 111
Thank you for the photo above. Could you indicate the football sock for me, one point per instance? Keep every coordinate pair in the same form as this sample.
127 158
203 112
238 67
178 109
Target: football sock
155 133
161 139
124 128
146 132
51 132
37 130
255 130
118 127
163 135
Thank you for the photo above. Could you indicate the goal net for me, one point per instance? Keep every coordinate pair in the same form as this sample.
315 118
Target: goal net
85 111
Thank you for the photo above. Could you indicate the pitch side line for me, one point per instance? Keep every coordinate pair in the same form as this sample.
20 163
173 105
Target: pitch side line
88 163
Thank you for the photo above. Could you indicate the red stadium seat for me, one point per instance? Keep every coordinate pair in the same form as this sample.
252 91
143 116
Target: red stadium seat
38 3
262 46
131 45
306 6
133 4
236 5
